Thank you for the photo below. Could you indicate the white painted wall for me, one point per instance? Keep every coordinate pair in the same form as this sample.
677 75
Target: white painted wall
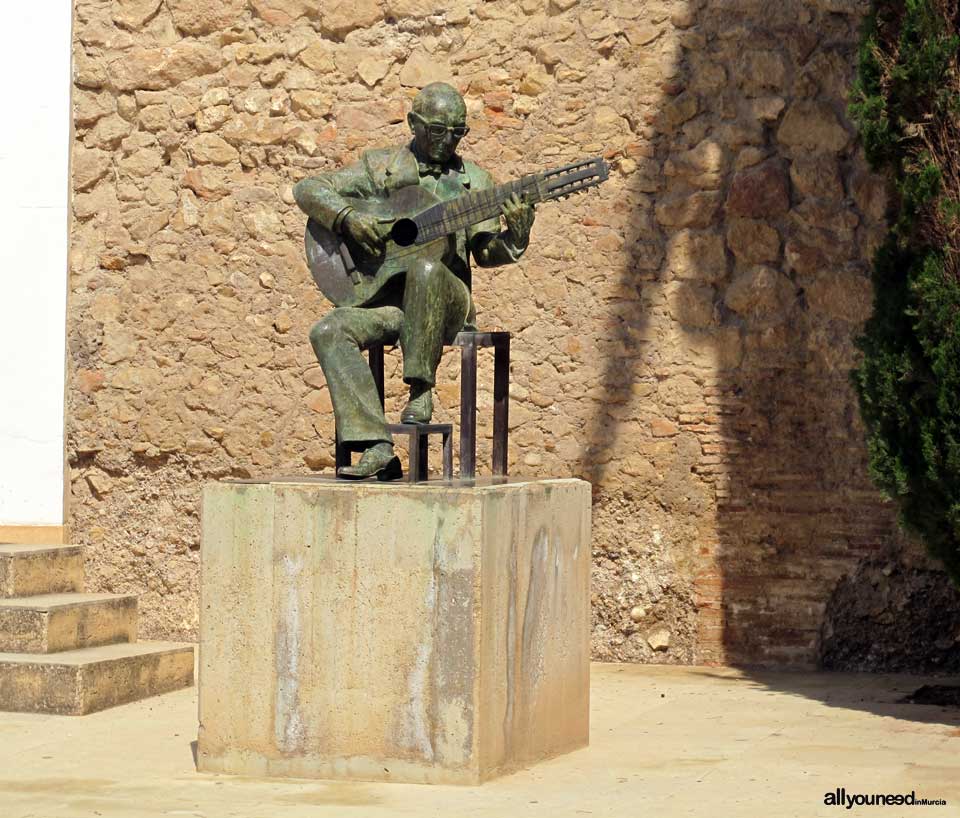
34 196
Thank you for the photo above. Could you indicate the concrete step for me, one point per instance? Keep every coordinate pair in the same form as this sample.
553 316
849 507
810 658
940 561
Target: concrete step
56 622
26 570
78 682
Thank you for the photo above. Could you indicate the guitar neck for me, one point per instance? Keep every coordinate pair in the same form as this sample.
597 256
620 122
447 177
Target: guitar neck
458 214
446 218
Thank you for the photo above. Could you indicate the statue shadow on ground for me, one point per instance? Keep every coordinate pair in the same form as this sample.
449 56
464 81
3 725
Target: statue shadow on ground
888 694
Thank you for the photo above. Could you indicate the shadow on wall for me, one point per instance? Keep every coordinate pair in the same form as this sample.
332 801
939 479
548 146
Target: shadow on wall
738 337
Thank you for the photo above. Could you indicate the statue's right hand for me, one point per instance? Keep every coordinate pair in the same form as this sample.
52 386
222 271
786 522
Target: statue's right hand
365 230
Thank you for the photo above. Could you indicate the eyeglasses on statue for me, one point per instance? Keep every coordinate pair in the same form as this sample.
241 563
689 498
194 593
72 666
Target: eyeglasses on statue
437 131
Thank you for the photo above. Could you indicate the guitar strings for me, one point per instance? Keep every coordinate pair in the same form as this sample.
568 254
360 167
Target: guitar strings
403 252
484 205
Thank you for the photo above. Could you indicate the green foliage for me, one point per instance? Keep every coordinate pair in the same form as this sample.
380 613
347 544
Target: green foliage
906 103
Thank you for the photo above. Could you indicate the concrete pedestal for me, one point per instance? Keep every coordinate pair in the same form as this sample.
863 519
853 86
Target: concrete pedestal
419 633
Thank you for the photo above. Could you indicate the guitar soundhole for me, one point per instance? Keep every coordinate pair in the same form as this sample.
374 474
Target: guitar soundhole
404 232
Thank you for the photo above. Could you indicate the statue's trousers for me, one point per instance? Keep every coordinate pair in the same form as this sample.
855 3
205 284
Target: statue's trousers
434 307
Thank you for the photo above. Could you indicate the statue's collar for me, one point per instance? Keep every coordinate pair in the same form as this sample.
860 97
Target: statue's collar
428 168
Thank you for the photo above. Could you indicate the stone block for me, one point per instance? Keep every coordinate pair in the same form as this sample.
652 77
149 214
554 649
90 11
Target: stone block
434 633
59 622
26 570
78 682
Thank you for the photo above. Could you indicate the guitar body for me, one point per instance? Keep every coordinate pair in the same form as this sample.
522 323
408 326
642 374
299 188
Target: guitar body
349 276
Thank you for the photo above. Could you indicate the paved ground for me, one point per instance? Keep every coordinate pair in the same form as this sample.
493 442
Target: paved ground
665 742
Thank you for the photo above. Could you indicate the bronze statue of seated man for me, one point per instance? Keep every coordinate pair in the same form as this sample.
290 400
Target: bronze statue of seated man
426 305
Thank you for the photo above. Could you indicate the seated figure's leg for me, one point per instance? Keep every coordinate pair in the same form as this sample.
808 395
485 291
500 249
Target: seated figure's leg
435 305
337 339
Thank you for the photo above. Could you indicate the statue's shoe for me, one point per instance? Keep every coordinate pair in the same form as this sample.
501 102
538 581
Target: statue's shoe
419 408
378 460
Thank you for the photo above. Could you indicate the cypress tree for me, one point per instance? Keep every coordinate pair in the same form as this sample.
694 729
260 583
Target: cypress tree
905 101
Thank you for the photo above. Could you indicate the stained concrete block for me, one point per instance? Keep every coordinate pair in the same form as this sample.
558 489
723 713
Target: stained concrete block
419 633
78 682
26 570
59 622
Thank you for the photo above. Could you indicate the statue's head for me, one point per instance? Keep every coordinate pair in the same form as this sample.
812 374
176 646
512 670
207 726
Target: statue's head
438 121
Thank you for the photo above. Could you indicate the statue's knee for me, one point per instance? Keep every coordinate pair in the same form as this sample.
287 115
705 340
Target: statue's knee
424 271
324 332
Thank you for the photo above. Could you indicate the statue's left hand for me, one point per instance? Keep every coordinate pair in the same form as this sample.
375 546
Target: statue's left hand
519 218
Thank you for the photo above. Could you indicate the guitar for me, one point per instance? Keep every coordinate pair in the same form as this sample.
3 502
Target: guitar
418 224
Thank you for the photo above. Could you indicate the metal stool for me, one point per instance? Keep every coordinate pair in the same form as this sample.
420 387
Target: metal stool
418 434
469 342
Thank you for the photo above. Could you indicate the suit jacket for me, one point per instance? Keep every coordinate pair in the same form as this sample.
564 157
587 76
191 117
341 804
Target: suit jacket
326 199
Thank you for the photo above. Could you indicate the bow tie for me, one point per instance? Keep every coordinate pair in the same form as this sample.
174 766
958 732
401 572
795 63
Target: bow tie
431 168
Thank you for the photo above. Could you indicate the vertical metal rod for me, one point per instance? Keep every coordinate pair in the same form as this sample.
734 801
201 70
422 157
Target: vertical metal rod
501 403
448 455
468 409
423 444
414 451
341 452
375 360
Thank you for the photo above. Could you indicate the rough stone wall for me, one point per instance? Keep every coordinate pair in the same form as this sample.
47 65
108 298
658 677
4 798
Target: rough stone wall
895 614
681 336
